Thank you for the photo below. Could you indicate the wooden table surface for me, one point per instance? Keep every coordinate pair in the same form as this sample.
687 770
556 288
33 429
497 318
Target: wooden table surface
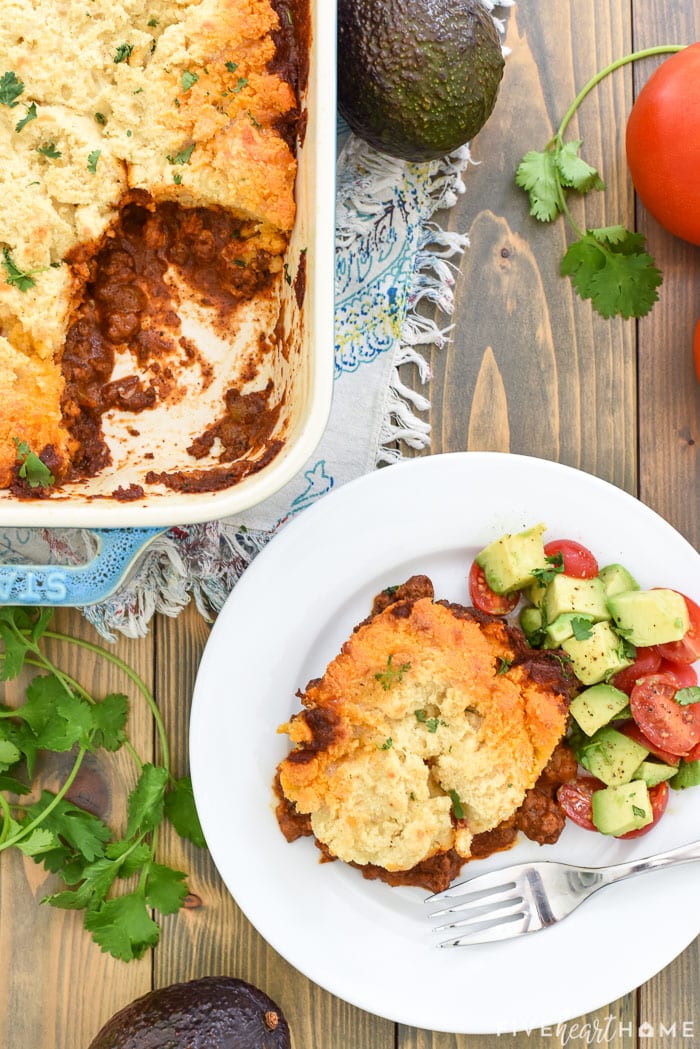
531 369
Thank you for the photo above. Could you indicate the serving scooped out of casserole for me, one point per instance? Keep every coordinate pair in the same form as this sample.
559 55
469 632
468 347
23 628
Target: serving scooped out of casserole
148 294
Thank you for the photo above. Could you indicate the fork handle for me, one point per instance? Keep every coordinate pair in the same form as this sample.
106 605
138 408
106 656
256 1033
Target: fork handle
670 858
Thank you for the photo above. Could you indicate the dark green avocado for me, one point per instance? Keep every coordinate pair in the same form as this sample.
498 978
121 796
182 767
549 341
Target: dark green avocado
215 1012
417 78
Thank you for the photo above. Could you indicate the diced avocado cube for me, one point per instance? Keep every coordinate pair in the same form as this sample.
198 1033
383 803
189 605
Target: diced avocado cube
509 562
620 809
597 657
650 617
612 757
596 706
654 772
531 621
616 579
688 775
568 624
586 597
535 593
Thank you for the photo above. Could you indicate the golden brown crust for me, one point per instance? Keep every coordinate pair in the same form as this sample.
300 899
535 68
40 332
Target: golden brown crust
429 710
175 99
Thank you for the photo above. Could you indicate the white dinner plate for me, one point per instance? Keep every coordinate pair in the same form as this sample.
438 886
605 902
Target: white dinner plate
362 940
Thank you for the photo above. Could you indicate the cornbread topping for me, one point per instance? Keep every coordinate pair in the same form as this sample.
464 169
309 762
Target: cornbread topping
147 161
424 738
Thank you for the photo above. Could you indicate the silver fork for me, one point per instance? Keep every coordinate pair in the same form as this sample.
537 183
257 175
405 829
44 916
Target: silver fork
530 896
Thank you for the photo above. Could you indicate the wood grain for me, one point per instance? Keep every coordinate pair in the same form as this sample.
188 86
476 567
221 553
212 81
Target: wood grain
529 369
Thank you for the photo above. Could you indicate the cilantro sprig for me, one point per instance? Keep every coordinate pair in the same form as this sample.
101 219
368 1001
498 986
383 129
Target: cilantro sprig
31 468
608 265
113 877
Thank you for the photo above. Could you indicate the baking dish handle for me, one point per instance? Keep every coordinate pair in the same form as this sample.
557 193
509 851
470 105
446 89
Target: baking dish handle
77 585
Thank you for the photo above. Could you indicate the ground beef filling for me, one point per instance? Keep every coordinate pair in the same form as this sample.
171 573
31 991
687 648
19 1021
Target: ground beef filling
129 308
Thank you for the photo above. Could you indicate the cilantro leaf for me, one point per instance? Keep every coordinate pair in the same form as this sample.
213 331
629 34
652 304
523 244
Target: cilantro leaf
145 805
9 754
83 832
457 806
180 810
581 628
38 841
183 157
29 115
93 157
109 721
165 888
32 469
188 79
537 175
49 150
131 858
123 927
555 565
574 170
122 53
14 786
11 87
14 276
686 696
58 719
618 276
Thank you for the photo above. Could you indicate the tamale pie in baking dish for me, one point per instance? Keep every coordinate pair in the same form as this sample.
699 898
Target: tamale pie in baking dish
158 256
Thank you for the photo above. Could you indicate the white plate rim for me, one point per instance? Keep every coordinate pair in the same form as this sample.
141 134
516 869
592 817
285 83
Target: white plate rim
521 490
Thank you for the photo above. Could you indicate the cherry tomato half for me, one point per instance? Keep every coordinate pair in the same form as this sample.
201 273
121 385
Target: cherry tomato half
663 721
647 661
632 730
658 796
484 598
687 650
694 754
663 144
683 674
579 562
575 800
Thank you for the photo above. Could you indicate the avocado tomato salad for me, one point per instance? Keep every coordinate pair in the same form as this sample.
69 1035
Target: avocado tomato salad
635 724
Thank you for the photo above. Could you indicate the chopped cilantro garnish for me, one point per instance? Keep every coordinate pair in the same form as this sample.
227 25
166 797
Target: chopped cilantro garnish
457 806
11 87
29 115
581 627
241 83
177 178
688 695
49 150
188 79
92 160
555 567
504 665
232 66
392 674
122 53
183 157
100 118
432 724
387 744
16 277
32 469
152 22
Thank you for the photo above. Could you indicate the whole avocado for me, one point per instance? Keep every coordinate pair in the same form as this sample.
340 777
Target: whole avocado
417 78
214 1012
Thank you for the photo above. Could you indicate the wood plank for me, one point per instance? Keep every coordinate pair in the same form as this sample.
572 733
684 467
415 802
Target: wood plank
530 368
670 453
213 936
63 988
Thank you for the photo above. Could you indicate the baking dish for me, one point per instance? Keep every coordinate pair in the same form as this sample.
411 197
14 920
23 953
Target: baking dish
304 371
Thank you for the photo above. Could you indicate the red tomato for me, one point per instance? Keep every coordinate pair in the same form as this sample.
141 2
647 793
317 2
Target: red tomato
647 661
632 730
578 560
658 796
575 800
682 673
664 722
663 144
696 349
484 598
687 650
694 754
